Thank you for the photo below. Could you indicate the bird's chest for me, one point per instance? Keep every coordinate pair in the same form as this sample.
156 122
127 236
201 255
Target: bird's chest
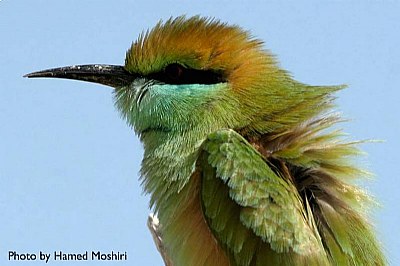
170 177
187 237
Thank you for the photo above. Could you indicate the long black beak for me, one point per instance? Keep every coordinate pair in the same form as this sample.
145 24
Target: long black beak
109 75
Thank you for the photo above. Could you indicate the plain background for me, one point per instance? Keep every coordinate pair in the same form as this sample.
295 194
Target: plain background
68 163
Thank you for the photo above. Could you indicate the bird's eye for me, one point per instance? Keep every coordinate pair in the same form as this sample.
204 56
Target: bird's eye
174 71
177 74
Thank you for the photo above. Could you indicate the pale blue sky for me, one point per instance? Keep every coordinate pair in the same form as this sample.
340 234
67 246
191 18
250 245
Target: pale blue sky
68 163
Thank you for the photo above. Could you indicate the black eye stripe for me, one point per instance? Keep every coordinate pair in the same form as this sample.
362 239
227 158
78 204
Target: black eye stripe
178 74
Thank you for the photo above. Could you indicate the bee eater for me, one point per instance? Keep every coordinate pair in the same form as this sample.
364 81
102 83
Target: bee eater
239 158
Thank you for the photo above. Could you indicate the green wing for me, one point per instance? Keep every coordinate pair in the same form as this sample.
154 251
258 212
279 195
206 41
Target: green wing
254 212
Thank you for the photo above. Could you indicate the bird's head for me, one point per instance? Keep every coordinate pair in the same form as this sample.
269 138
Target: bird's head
200 74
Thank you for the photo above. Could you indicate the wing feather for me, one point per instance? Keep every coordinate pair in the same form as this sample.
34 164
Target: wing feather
249 206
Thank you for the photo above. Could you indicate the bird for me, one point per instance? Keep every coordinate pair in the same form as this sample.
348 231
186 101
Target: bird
244 164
